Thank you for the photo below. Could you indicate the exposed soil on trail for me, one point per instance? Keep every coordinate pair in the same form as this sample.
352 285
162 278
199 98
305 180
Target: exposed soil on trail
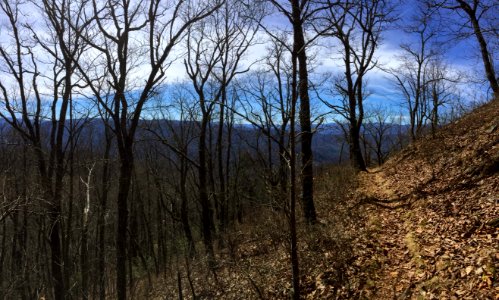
433 225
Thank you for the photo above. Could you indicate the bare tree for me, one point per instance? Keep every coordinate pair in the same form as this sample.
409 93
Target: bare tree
411 77
103 204
124 35
235 26
199 65
422 77
299 13
215 49
174 128
266 100
477 17
442 90
357 25
84 239
277 62
378 130
284 98
24 102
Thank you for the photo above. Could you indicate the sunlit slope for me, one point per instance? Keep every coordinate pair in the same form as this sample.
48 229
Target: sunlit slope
434 215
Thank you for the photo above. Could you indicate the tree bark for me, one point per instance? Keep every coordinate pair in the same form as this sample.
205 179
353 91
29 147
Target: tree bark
357 160
307 173
486 57
295 268
101 222
125 178
184 213
206 209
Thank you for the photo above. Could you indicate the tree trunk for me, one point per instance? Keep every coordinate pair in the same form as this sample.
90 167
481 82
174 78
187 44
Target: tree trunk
356 158
486 57
125 179
220 161
228 156
206 210
307 173
184 213
295 268
102 215
56 251
434 113
54 215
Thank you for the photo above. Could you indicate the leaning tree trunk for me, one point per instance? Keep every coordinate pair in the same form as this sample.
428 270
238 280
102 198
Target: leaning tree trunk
486 57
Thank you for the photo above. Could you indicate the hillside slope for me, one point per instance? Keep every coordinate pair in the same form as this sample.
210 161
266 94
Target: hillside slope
423 226
433 225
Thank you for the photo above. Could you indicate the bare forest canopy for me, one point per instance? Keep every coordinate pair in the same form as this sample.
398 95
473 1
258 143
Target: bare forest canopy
136 136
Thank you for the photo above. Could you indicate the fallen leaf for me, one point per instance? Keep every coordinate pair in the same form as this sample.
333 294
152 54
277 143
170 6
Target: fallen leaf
468 270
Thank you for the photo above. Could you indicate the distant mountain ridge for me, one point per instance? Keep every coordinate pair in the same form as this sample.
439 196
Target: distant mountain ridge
328 141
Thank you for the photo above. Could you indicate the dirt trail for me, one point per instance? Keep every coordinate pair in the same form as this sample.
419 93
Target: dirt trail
393 237
431 208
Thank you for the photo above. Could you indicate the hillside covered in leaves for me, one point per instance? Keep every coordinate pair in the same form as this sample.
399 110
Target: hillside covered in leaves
424 225
434 215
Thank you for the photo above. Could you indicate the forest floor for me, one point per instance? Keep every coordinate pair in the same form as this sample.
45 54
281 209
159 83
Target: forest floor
425 225
434 215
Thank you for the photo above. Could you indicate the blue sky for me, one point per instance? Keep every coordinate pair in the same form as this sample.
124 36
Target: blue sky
463 56
460 56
